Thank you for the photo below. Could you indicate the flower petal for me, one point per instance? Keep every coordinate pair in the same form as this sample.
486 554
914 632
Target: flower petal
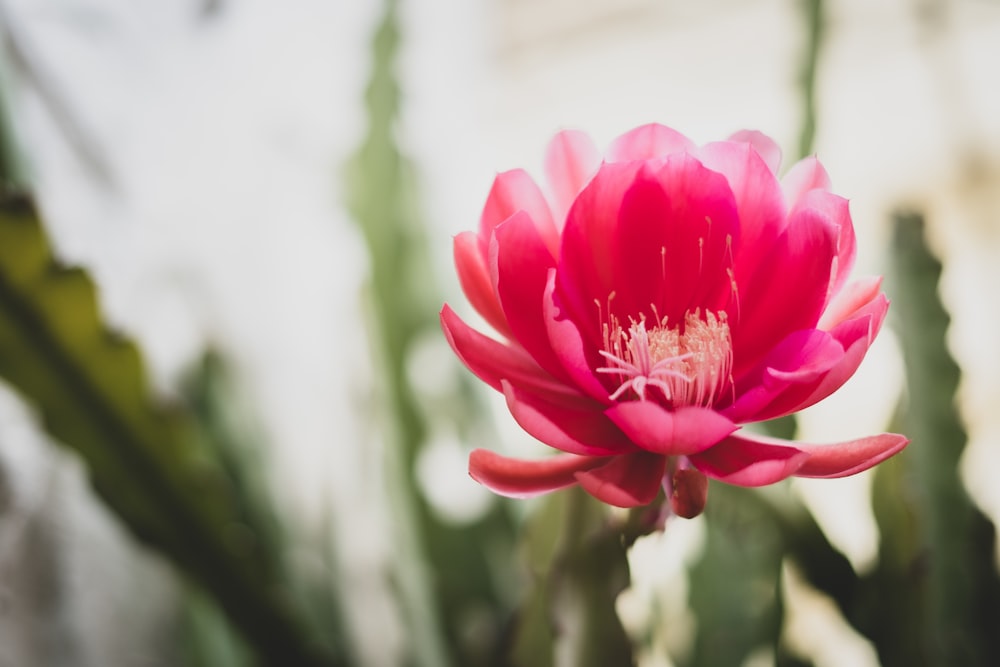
474 277
492 361
765 146
629 480
515 191
686 430
848 458
522 263
569 347
805 175
570 161
673 241
787 292
748 460
759 200
648 142
837 210
576 426
848 301
520 478
585 278
799 360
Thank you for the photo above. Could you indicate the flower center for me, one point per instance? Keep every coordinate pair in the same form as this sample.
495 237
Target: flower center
688 364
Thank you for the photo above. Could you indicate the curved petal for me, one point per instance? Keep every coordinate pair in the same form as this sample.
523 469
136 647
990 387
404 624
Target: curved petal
474 277
788 290
686 430
569 347
837 210
585 278
520 478
765 146
522 264
648 142
629 480
570 161
848 301
515 191
800 358
747 460
673 241
759 200
493 362
805 175
847 458
575 426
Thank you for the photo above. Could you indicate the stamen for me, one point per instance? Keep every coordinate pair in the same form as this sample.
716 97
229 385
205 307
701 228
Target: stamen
689 368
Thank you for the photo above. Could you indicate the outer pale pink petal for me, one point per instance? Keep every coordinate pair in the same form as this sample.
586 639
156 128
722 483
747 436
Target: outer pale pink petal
474 276
835 209
515 191
763 144
805 175
629 480
519 478
686 430
493 362
673 242
747 460
788 290
570 161
849 300
648 142
522 264
569 347
848 458
577 426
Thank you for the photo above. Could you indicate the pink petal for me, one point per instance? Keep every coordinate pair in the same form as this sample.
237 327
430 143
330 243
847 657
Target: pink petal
493 362
802 358
759 201
575 426
585 277
673 242
835 209
519 478
629 480
474 277
765 146
805 175
848 458
849 300
570 161
569 347
747 460
515 191
788 290
647 142
522 268
686 430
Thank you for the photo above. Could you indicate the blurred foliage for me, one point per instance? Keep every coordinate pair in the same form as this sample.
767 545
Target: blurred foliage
452 584
576 560
954 561
89 387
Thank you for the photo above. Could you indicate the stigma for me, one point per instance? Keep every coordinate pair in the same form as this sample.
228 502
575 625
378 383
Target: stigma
689 363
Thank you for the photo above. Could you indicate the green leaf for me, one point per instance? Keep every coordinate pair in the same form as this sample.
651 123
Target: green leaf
578 565
90 390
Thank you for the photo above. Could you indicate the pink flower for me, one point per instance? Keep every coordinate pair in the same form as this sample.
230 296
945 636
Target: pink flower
654 303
